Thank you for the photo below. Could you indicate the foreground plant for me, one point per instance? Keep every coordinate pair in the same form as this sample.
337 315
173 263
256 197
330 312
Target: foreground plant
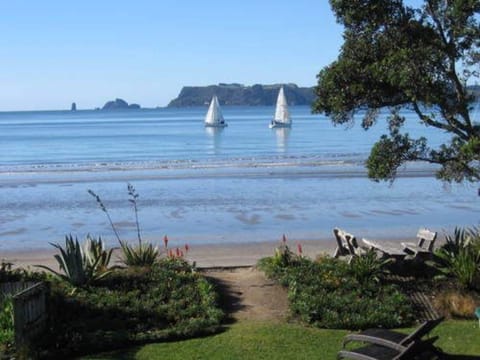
169 300
283 258
369 267
6 320
81 265
459 257
328 293
141 254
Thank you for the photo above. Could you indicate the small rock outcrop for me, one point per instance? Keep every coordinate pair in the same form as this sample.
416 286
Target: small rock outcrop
119 104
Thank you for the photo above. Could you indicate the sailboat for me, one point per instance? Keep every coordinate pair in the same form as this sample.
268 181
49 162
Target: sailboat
282 116
214 117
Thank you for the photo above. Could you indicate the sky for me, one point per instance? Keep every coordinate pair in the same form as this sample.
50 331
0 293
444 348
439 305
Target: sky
53 53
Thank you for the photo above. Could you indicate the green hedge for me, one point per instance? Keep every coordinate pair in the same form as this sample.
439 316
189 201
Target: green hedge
327 294
136 305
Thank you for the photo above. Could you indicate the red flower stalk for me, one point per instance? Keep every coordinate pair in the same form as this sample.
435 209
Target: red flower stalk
284 239
178 252
170 253
299 248
187 248
165 241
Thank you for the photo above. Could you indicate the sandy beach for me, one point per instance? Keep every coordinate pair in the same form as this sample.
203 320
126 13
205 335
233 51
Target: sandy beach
205 256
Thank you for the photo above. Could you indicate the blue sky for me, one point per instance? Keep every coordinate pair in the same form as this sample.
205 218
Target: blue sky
90 51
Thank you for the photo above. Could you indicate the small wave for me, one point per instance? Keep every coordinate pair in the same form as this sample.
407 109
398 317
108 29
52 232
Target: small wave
179 164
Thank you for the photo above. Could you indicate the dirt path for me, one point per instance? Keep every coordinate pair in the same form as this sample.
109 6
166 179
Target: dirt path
248 295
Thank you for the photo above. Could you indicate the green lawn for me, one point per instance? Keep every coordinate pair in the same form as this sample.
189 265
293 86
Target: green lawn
259 340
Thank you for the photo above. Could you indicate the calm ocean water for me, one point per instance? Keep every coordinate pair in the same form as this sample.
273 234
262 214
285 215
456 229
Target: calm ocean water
243 183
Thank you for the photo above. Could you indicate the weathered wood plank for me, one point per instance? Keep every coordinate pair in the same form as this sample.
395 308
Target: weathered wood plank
30 312
384 248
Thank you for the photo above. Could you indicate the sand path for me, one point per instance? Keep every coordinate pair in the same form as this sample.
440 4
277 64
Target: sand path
248 295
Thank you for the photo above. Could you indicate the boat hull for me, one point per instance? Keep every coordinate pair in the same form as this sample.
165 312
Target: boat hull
216 125
275 124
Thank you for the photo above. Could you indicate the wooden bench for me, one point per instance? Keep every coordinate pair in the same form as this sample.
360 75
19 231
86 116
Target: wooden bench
426 240
385 249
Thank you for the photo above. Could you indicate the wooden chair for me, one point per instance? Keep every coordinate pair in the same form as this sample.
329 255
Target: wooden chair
347 244
426 240
389 344
385 337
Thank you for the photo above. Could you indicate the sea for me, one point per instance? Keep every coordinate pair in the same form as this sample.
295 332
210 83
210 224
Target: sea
244 183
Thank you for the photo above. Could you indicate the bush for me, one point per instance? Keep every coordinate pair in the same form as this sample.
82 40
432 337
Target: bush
368 267
276 267
133 305
457 304
327 294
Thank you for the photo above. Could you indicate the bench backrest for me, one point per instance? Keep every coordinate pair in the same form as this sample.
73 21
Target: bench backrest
346 242
426 238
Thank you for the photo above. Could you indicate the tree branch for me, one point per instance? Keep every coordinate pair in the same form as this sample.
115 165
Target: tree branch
437 124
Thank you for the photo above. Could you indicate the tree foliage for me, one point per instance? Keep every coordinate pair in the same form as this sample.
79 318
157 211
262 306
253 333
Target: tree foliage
396 56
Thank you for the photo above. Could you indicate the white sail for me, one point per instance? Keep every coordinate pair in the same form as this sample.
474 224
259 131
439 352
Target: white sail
282 116
214 115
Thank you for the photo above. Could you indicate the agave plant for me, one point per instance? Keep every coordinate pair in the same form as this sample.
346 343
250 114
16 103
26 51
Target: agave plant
79 265
95 253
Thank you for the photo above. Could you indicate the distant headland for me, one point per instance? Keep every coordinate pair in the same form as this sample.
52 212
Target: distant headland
238 94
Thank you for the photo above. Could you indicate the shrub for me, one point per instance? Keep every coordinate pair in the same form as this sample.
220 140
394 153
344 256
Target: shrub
132 305
368 267
326 293
454 303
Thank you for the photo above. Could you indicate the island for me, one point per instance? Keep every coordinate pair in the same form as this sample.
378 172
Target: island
238 94
119 104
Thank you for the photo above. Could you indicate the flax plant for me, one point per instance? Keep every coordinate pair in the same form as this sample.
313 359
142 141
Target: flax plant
459 257
144 254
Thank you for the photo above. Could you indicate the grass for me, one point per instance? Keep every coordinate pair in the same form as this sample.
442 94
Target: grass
266 340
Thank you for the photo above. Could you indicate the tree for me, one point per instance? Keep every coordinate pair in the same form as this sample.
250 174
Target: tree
396 56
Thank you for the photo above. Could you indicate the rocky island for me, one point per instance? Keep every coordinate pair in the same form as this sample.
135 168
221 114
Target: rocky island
119 104
238 94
